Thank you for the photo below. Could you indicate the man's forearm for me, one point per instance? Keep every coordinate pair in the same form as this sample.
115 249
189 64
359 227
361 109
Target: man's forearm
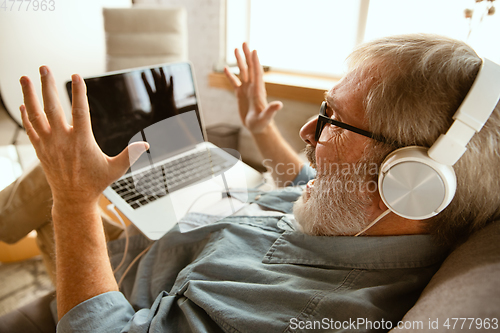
279 157
83 268
78 172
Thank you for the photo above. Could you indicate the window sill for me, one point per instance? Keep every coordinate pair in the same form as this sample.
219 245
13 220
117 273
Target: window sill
298 87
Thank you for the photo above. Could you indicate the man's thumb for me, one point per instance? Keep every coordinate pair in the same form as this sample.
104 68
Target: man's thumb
127 157
135 150
271 109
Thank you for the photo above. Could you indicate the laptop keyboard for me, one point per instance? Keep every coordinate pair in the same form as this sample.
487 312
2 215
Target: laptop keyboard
155 183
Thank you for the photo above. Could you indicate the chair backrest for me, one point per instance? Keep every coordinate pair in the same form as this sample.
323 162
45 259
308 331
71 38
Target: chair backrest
143 36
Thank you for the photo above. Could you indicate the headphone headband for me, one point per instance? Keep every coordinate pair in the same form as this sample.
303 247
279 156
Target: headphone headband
418 183
470 117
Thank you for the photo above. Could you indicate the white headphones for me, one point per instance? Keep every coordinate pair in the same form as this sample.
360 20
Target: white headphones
418 183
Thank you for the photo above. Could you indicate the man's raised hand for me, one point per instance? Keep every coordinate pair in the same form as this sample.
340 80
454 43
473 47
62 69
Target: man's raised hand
256 114
76 168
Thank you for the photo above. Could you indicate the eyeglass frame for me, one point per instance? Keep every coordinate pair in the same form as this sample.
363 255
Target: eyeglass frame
323 119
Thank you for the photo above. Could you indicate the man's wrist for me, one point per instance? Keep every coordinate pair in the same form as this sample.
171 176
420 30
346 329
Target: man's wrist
74 207
269 129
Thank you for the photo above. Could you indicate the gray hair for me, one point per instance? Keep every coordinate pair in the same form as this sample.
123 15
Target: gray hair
419 81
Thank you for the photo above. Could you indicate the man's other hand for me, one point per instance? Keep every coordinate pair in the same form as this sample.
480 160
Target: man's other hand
76 168
256 114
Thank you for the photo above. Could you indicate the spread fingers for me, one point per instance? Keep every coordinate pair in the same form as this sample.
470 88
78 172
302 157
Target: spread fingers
248 57
242 66
34 113
30 131
51 104
258 72
235 82
80 106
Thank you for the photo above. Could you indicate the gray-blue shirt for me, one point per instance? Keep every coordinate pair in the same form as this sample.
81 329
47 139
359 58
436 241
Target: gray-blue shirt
255 274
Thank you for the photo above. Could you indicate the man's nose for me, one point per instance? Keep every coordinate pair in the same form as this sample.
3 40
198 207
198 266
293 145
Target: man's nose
308 132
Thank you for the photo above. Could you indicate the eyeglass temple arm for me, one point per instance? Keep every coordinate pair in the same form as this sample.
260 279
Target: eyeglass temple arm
355 130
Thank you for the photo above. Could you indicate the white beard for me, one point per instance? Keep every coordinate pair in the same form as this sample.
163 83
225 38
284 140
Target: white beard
338 204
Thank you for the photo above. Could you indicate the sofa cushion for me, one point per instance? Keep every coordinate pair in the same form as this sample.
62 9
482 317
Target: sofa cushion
466 285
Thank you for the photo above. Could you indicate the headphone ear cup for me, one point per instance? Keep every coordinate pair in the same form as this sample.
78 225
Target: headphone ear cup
413 185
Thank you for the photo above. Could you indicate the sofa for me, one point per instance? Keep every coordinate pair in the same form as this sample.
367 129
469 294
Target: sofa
465 286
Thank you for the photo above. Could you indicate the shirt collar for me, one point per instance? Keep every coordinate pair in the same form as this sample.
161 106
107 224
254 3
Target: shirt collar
367 252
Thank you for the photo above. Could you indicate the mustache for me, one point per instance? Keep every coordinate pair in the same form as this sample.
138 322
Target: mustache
310 153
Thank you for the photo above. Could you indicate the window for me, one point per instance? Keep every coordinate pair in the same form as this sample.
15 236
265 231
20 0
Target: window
315 36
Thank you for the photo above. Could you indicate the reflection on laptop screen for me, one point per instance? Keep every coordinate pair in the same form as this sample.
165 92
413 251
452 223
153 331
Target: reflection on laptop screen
123 104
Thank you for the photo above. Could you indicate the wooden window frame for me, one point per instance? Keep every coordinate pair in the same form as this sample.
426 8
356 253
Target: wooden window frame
297 87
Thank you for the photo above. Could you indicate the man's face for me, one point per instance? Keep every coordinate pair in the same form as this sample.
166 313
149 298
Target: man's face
340 199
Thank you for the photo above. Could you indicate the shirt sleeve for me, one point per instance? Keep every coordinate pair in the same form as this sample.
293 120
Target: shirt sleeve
306 174
108 312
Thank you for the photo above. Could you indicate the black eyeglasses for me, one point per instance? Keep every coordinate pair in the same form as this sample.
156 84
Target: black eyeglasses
323 119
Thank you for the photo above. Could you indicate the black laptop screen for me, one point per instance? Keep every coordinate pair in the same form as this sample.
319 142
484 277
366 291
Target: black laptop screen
124 104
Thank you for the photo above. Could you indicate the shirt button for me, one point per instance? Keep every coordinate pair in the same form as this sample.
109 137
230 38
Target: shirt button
257 197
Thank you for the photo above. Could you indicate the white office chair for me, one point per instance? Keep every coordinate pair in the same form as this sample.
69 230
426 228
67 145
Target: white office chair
144 36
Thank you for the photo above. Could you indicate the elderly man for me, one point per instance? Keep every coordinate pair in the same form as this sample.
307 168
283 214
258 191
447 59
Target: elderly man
265 270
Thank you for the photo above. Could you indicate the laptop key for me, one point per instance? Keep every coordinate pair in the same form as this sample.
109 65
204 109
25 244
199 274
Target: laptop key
134 198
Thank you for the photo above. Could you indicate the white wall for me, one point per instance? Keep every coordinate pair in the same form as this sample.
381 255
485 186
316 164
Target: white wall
219 106
69 39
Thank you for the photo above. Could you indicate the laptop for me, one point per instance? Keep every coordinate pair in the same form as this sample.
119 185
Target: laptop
160 105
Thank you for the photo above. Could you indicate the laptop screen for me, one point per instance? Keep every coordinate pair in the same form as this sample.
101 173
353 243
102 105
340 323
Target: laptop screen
123 104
